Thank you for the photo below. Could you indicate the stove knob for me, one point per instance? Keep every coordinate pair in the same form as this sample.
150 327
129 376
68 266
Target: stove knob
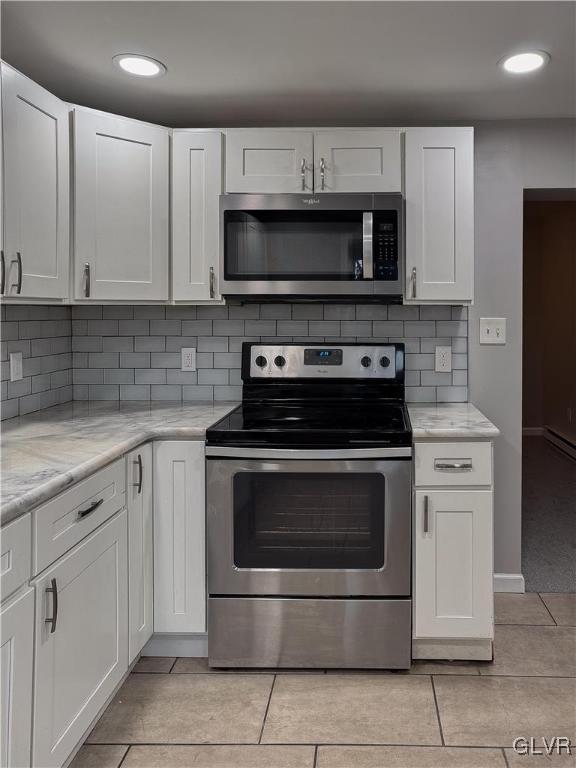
384 361
280 361
261 361
366 361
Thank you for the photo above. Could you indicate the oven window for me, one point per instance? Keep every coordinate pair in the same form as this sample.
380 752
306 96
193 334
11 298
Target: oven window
291 245
309 520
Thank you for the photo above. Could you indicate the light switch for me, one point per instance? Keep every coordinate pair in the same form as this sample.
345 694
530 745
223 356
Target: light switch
492 330
16 372
188 359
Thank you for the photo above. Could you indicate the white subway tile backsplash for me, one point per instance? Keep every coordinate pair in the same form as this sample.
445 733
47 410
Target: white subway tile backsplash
133 352
43 334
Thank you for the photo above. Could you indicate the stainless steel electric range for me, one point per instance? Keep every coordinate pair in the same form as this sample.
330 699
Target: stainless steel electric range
309 511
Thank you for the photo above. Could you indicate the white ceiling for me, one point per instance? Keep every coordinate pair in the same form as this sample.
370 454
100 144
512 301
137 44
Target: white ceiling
299 63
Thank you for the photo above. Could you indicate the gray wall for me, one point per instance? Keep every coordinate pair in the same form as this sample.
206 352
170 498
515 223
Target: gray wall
510 156
133 352
43 335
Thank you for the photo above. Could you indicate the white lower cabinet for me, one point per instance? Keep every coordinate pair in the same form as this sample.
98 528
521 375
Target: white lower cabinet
179 537
140 548
453 564
16 660
81 648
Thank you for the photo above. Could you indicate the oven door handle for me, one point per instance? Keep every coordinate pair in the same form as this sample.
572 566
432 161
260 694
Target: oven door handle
367 246
312 453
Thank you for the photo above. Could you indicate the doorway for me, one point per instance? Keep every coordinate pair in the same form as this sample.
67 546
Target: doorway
549 391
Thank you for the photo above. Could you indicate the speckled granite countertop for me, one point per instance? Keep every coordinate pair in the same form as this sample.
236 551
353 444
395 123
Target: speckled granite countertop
46 452
450 420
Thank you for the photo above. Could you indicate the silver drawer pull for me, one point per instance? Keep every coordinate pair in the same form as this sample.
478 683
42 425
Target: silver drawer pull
453 465
53 590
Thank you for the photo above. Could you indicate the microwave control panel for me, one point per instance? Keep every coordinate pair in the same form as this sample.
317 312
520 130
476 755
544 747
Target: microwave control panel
385 244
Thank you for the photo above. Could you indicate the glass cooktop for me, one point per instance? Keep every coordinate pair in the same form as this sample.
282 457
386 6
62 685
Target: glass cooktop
305 425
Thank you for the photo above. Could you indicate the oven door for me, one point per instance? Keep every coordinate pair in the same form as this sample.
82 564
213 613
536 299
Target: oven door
309 527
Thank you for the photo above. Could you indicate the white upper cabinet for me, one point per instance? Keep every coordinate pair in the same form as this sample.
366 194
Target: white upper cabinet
196 189
36 250
358 161
262 160
140 548
179 536
439 191
121 208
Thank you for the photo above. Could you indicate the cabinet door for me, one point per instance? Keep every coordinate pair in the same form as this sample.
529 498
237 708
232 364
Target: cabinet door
179 537
439 191
121 208
16 655
196 189
358 161
269 161
453 564
36 189
82 654
140 548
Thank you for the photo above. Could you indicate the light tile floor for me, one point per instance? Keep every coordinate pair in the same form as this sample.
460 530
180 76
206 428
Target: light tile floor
177 713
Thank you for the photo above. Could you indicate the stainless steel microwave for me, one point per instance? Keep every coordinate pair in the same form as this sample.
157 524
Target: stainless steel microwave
319 246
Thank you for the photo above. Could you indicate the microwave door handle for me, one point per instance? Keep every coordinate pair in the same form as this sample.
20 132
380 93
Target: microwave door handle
367 246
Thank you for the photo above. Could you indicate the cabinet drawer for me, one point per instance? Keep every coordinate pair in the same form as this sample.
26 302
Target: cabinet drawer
15 555
67 519
453 464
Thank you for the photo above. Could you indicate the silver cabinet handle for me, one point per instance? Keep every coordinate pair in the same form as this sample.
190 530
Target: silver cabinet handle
413 280
18 283
367 246
322 174
426 516
138 485
3 274
53 590
303 173
453 465
212 283
87 280
88 511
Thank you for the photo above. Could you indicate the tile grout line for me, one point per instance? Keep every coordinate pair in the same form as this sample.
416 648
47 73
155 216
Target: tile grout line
266 712
124 755
173 665
315 756
437 710
548 609
506 763
287 744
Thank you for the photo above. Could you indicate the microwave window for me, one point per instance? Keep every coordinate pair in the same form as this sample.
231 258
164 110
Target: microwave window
285 245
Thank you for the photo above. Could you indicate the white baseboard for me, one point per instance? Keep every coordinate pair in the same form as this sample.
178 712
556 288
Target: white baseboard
509 582
177 645
532 431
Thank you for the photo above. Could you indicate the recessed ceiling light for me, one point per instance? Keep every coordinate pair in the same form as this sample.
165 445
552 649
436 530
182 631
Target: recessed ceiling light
141 66
521 63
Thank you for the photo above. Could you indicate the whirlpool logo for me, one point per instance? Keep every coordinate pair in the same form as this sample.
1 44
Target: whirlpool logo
311 200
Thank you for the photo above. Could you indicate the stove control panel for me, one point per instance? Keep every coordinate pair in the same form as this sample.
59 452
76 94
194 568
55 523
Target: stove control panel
356 361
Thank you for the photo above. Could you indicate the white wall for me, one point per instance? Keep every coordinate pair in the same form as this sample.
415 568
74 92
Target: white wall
510 156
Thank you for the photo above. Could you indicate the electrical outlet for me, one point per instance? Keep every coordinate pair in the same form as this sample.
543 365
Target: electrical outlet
492 330
16 366
188 359
443 362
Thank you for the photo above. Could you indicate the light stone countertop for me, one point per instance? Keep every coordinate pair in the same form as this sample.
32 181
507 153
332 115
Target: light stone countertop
449 420
46 452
